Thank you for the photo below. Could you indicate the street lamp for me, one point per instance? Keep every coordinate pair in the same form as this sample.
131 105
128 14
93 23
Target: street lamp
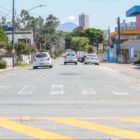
36 7
13 30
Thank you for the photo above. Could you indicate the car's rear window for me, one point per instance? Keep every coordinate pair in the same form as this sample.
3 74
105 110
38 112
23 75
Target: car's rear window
71 54
92 56
41 55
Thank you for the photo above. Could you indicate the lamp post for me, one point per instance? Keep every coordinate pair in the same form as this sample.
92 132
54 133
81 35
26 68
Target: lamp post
33 22
36 7
13 33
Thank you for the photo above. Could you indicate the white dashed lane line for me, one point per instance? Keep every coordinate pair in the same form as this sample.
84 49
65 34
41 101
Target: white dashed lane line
43 78
5 87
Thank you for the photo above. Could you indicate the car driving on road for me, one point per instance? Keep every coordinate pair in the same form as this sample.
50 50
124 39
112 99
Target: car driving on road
70 57
42 59
92 59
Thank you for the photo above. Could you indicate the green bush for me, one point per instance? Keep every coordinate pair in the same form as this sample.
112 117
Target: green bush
20 64
3 64
137 62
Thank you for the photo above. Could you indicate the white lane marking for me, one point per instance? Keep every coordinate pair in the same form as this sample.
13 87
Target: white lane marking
5 87
136 88
119 93
43 78
57 89
26 90
89 91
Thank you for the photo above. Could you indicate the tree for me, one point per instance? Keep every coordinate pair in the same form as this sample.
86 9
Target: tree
94 35
22 48
51 24
3 40
78 31
80 43
3 21
68 41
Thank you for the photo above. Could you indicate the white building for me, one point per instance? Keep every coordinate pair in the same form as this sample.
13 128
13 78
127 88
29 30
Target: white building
127 26
106 34
84 21
21 36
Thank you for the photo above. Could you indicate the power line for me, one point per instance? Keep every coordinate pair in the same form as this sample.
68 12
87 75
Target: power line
4 7
5 16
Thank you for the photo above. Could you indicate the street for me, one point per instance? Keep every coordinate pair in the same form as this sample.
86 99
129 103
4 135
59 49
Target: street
69 102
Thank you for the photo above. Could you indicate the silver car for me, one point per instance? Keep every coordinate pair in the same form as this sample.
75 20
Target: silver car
92 59
42 59
70 57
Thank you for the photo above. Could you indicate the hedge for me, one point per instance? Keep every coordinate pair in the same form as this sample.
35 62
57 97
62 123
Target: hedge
3 64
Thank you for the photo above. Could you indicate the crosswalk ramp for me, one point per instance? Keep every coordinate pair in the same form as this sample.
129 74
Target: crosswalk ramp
66 128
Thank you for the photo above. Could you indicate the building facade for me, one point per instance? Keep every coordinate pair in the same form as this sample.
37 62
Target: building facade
21 36
84 21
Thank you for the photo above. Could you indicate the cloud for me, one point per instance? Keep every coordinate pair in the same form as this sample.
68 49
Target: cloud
71 18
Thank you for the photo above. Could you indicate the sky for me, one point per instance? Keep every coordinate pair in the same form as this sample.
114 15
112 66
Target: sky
103 13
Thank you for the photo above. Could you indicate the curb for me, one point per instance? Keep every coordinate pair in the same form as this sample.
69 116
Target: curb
10 69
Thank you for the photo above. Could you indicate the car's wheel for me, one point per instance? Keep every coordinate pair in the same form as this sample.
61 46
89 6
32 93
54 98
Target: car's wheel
85 63
34 67
65 63
51 66
76 63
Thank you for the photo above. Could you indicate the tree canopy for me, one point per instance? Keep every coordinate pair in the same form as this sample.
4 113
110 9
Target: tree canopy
3 40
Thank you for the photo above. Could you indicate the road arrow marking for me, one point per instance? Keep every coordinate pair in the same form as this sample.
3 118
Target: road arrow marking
119 93
89 91
26 90
57 89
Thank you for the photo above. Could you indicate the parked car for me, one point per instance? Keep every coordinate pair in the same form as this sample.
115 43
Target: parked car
70 57
42 59
92 59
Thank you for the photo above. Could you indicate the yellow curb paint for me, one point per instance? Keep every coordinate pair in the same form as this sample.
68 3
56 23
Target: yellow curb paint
130 120
100 128
30 131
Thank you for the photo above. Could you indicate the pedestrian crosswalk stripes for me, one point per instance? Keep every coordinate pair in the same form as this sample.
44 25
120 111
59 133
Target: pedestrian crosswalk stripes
17 125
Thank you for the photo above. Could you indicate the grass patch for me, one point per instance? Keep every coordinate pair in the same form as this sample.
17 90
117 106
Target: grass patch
22 65
137 62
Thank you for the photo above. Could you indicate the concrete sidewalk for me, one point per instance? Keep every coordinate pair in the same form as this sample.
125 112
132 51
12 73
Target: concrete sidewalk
126 69
8 69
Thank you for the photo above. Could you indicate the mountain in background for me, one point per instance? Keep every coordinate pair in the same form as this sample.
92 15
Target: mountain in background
67 27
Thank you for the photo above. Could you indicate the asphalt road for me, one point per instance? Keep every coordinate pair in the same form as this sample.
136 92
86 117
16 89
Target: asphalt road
69 102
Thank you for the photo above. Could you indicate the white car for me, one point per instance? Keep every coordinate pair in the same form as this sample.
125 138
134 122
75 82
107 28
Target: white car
42 59
92 59
70 57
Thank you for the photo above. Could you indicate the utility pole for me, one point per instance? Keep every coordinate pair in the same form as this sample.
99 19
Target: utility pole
33 25
13 34
119 32
119 36
109 36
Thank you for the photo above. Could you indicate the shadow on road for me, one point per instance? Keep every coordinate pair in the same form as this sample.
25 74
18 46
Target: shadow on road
40 68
